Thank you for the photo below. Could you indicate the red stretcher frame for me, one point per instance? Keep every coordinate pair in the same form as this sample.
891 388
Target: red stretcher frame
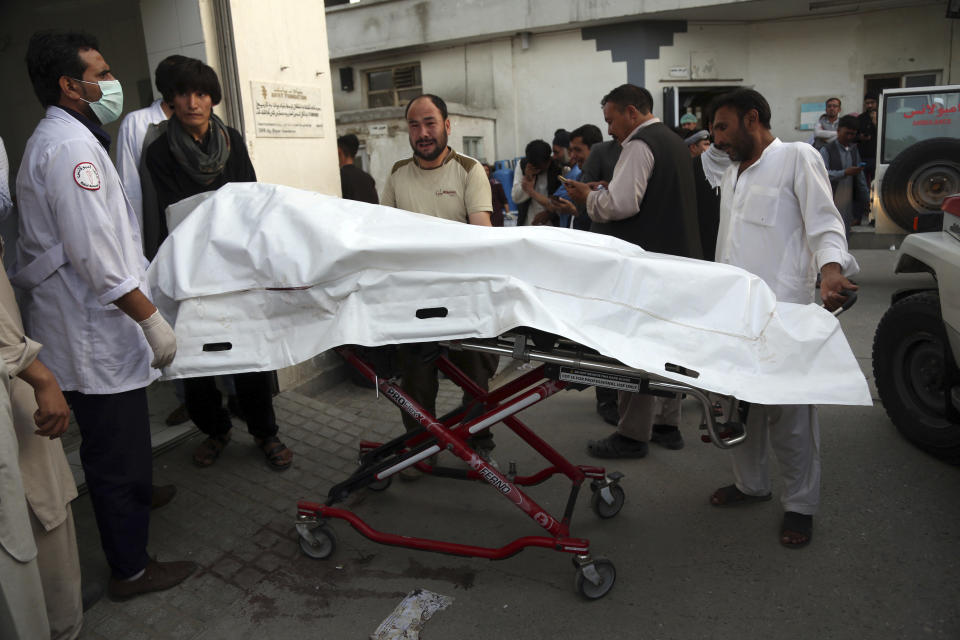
379 462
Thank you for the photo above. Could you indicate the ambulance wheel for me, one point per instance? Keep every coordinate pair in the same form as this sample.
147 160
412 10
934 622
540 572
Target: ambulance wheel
606 573
380 485
919 178
319 542
606 509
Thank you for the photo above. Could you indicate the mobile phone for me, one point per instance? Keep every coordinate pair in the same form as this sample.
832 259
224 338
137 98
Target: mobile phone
564 180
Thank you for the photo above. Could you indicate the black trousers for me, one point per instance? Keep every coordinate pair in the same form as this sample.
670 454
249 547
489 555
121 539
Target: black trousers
254 393
117 461
420 380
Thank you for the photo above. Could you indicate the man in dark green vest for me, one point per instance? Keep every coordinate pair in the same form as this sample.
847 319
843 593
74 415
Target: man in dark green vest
650 202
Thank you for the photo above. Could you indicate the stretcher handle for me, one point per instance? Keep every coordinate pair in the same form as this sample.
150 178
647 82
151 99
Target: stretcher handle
851 300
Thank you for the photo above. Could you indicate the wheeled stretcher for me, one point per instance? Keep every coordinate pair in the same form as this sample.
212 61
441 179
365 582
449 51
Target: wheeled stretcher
561 365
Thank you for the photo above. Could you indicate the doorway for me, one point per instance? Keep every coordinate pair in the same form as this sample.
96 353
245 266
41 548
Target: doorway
678 101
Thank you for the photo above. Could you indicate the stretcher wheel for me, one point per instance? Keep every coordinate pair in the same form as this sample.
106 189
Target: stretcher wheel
380 485
603 508
606 573
319 542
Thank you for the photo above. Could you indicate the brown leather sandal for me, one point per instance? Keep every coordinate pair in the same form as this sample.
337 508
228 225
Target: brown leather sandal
210 449
279 457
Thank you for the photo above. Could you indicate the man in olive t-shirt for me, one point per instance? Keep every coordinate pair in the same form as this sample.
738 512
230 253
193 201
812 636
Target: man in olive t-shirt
438 181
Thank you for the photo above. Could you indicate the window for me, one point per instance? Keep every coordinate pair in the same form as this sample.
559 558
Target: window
473 147
393 87
909 118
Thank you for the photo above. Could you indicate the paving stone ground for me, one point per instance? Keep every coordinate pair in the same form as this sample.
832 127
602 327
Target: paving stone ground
236 518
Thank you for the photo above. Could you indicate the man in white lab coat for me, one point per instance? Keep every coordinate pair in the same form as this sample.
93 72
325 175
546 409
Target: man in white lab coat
82 272
778 221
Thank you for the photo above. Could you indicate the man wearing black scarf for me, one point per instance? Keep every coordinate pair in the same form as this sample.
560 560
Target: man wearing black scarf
197 153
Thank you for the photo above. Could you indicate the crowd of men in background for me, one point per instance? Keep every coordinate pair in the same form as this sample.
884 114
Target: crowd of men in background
87 226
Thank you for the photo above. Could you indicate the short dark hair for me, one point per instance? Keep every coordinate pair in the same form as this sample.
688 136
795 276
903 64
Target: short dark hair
435 99
53 54
165 73
828 100
630 94
742 101
589 133
194 75
849 122
538 152
349 144
561 138
871 96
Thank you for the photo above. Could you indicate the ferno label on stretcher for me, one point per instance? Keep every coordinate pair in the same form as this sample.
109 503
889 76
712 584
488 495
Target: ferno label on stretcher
593 378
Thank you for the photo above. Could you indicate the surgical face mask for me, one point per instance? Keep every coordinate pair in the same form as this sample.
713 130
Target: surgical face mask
110 105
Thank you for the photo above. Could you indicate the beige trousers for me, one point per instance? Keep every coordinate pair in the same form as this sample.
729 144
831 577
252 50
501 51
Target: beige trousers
59 565
639 412
22 614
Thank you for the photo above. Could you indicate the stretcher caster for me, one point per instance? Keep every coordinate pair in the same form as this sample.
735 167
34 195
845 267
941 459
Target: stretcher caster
318 541
594 578
380 485
608 496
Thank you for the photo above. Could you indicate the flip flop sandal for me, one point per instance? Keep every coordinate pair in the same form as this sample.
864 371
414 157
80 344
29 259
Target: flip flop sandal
279 457
797 524
210 449
617 446
730 496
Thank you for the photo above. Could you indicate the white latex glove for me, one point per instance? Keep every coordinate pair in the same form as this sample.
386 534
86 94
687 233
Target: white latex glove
160 337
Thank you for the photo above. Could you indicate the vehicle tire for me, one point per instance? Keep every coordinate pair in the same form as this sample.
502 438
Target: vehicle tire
912 367
919 178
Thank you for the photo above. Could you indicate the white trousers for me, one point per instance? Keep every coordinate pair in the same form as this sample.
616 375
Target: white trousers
793 432
640 411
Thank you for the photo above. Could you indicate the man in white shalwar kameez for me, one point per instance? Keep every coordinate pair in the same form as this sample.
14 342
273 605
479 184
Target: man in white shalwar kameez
778 221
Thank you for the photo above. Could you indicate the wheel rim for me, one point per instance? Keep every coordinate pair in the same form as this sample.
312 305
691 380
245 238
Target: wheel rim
608 576
931 183
920 374
318 543
605 510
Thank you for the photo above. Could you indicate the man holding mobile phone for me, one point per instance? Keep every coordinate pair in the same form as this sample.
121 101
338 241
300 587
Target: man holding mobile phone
650 201
846 170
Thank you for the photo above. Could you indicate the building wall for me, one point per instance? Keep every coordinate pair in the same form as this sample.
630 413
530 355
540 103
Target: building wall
529 92
559 78
374 26
172 28
790 59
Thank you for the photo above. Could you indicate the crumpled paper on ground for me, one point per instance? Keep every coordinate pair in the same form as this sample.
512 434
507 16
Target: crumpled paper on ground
406 621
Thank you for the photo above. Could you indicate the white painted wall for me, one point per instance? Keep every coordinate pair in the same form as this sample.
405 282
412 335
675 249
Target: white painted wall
558 83
394 25
172 27
286 42
559 79
789 59
530 93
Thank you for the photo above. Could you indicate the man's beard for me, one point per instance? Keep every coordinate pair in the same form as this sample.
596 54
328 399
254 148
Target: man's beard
439 146
741 148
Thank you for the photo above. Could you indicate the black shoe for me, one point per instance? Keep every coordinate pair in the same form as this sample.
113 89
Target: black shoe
609 412
162 495
157 576
667 436
617 446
